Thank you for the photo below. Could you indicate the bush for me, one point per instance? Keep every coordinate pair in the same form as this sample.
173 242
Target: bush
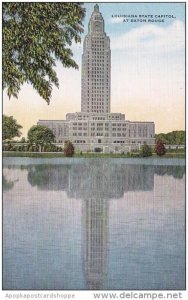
146 150
30 148
68 149
14 148
23 140
50 148
59 149
160 148
98 149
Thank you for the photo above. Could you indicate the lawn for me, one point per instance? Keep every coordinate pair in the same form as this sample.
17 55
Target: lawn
86 155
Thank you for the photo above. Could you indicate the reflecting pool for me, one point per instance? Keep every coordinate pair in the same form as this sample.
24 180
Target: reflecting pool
102 224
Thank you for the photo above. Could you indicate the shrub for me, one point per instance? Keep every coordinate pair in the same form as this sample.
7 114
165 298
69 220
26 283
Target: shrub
59 149
9 146
50 148
98 149
68 149
22 140
14 148
30 148
160 148
146 150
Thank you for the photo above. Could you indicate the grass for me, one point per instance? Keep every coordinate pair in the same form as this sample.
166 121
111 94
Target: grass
85 155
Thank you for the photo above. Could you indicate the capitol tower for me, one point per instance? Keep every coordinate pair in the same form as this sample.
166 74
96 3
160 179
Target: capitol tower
96 66
95 128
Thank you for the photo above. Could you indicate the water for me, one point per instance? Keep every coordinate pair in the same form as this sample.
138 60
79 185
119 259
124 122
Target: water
93 224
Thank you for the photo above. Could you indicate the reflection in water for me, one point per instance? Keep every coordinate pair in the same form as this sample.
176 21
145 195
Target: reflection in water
108 181
96 183
175 171
7 184
95 226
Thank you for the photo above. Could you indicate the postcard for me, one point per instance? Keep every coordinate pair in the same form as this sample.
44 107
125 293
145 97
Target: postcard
93 149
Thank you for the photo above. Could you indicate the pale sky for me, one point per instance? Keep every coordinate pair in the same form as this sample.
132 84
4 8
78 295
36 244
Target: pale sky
147 73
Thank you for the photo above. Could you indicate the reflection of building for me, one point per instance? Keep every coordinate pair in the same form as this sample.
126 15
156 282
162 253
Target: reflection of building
94 177
95 126
96 182
94 245
120 239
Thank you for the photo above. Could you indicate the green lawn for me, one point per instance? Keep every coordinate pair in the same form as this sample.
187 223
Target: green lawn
85 155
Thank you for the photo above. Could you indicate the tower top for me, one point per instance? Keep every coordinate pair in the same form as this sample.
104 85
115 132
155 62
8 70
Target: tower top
96 23
96 8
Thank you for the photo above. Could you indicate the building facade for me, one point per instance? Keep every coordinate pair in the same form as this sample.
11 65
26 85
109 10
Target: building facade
95 128
96 66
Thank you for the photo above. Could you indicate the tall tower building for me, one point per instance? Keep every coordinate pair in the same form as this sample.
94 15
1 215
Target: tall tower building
96 67
96 128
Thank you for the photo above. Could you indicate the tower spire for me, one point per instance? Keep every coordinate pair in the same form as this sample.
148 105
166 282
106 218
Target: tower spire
96 65
96 8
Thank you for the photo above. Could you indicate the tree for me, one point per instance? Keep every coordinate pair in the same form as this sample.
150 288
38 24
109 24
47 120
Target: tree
160 148
172 138
146 150
68 149
40 136
22 140
35 35
10 128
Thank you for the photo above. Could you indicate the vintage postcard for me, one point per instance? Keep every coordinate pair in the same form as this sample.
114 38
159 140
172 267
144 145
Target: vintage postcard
93 149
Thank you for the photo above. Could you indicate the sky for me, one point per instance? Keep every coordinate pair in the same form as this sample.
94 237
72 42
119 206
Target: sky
147 69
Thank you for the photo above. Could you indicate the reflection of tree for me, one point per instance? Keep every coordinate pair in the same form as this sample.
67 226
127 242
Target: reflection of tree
175 171
98 178
38 176
7 184
95 178
47 177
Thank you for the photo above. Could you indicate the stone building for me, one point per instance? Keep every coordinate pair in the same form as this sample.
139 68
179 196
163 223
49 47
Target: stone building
95 127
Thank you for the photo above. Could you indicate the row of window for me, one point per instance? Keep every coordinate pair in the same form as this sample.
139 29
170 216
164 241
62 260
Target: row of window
97 111
99 105
99 134
98 80
79 128
98 91
98 97
115 142
79 134
97 76
97 41
100 124
115 126
96 73
79 142
98 53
